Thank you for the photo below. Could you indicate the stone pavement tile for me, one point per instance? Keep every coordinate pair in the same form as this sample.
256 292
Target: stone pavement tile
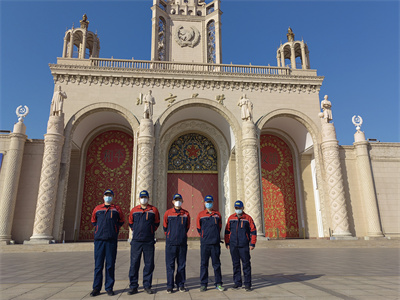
273 291
13 292
7 286
69 295
310 292
39 293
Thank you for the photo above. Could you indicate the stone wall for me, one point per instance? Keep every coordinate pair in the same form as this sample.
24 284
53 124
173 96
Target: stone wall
28 188
385 159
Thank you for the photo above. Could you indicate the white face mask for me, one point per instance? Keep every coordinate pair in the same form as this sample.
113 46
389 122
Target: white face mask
144 200
238 211
108 199
178 203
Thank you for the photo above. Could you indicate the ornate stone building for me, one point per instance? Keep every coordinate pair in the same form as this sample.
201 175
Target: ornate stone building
186 123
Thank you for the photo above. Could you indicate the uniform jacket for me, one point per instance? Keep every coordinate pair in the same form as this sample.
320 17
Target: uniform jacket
144 223
176 225
107 221
240 232
209 226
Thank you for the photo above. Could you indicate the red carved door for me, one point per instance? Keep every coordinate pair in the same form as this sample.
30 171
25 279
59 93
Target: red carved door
192 172
108 166
279 196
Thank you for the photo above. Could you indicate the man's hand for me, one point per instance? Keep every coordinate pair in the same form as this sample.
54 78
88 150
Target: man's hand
251 248
227 246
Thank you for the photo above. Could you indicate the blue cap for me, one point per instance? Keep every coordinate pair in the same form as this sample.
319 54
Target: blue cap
239 204
109 192
144 194
177 196
208 198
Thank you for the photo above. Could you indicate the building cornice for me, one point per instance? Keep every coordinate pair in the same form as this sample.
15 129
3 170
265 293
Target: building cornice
183 76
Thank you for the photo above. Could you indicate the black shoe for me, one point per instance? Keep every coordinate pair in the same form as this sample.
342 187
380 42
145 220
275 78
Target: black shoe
170 291
182 289
110 293
94 293
149 291
132 291
236 287
247 288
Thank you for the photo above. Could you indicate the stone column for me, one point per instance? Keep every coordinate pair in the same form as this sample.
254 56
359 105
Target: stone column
367 185
49 177
251 169
278 60
12 164
292 56
145 157
303 56
334 181
71 45
283 58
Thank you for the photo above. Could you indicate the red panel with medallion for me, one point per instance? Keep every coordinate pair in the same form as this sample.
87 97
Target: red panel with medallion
108 166
279 196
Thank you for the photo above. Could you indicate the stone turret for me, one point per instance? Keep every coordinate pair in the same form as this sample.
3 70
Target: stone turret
291 50
80 42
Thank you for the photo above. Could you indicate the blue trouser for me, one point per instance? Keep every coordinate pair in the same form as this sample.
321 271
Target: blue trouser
175 253
241 254
213 250
137 248
104 250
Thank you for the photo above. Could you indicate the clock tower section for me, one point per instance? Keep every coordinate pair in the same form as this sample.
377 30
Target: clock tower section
186 31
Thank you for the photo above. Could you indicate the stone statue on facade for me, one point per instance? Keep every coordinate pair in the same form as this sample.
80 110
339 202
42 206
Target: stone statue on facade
326 106
290 35
246 107
148 105
57 102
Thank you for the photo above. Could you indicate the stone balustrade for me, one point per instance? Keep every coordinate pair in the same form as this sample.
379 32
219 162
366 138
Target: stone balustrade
188 67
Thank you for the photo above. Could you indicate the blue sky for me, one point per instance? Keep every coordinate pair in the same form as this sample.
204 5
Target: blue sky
354 44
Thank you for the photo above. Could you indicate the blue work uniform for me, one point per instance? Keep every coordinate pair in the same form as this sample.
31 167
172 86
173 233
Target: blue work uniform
209 227
144 223
107 220
176 225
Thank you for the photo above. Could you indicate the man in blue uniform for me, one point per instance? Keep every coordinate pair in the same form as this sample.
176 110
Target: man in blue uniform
107 219
209 227
240 238
176 225
144 220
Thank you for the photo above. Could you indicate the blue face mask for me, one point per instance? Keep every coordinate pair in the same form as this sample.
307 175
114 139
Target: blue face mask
108 199
209 205
238 211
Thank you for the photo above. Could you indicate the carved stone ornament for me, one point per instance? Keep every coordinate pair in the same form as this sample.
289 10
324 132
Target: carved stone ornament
22 112
357 121
187 36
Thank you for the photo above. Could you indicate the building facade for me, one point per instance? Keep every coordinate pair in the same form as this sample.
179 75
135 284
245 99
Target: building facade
186 123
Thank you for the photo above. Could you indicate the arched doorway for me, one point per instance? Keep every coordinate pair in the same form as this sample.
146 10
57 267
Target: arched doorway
193 173
279 192
108 166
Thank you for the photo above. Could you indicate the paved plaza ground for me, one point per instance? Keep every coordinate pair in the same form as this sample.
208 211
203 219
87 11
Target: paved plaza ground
281 270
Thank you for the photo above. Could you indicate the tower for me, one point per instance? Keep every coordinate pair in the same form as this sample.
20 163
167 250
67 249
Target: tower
85 42
186 31
291 50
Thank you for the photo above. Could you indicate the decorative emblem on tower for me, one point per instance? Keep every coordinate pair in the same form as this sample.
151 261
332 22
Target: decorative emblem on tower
187 36
357 121
21 112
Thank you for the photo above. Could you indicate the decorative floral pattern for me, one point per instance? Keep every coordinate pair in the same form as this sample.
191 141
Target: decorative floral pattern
108 166
192 152
280 208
